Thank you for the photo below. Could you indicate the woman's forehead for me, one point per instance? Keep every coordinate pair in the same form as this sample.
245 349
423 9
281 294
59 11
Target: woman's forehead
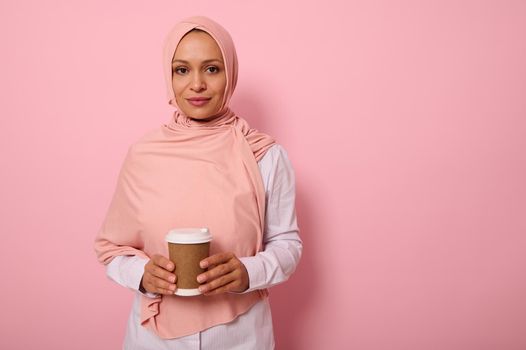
197 45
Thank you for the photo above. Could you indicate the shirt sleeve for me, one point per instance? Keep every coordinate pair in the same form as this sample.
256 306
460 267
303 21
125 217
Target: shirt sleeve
282 244
127 270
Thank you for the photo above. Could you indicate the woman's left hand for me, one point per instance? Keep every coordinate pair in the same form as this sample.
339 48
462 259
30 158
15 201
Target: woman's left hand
226 274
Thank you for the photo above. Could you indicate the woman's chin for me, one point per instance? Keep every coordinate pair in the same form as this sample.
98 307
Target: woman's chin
201 115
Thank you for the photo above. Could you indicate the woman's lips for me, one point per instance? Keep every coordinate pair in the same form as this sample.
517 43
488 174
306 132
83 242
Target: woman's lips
199 101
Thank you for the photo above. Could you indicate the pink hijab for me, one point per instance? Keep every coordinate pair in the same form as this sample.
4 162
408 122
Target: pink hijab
190 173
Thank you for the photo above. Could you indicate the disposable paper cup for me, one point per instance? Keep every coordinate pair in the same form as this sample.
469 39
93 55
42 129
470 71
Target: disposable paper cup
187 247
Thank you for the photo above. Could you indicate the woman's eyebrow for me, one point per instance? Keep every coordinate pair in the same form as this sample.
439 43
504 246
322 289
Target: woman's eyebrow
205 61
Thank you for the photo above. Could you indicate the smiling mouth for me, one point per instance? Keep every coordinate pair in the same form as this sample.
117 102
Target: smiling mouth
198 102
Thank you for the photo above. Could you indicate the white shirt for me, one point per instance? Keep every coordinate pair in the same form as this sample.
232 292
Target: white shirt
274 265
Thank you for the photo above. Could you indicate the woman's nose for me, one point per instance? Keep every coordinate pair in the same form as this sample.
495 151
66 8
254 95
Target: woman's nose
198 83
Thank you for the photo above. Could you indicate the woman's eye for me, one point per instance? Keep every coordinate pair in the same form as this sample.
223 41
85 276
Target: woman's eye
180 70
213 69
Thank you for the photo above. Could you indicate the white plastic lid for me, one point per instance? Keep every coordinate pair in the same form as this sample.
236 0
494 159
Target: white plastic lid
188 235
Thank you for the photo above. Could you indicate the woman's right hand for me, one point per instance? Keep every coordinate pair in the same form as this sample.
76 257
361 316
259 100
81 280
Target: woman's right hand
158 275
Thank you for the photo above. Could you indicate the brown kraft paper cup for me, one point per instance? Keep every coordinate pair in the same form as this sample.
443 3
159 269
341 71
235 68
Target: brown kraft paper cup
187 247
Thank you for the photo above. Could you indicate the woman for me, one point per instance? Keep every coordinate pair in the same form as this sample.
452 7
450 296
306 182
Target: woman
205 168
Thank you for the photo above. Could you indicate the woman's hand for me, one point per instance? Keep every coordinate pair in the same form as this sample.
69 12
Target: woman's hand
158 275
226 274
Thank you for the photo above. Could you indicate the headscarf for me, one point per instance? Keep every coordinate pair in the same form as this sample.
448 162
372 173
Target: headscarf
190 173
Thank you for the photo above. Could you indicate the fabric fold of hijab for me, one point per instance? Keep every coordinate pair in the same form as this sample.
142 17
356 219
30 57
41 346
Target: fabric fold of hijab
190 173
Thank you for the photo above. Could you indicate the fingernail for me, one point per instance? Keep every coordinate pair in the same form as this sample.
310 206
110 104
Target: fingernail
202 289
172 279
203 264
201 278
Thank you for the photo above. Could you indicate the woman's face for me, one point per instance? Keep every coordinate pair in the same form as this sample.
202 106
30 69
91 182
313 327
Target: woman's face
198 75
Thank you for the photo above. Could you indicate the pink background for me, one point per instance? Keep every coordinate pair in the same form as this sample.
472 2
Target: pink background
405 122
